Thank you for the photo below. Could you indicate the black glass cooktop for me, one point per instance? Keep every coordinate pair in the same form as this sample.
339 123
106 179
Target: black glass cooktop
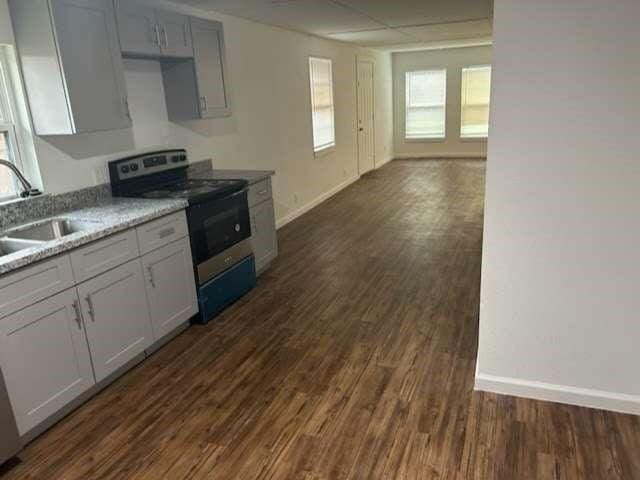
193 189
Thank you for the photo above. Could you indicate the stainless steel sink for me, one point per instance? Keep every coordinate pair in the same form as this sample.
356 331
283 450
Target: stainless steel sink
9 245
50 230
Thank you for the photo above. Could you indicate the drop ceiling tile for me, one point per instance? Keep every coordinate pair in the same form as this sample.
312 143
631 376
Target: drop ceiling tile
417 12
449 31
315 16
374 38
312 16
230 7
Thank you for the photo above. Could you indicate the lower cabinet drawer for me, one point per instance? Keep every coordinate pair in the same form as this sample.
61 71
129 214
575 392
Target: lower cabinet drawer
32 284
44 358
162 232
103 255
259 192
220 292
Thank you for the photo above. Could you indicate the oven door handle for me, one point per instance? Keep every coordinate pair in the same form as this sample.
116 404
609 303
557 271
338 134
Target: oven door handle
239 192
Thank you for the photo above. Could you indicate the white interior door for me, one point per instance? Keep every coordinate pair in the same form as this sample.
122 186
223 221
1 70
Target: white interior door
366 143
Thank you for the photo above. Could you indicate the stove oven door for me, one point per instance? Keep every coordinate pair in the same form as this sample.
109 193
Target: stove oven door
218 225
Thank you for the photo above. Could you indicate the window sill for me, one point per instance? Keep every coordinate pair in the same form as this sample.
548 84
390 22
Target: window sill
424 140
474 139
323 152
6 200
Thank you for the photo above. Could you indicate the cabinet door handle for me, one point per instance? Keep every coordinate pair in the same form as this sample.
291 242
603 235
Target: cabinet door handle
126 107
152 280
156 29
76 309
165 37
263 192
92 313
167 232
203 103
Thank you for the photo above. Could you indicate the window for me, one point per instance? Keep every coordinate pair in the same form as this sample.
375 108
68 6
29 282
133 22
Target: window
321 77
8 144
426 98
474 113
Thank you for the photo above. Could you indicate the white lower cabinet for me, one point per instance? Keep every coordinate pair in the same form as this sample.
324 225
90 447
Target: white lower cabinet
114 307
58 340
44 357
263 234
170 285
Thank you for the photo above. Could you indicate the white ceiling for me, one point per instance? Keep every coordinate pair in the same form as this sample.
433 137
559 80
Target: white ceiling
370 23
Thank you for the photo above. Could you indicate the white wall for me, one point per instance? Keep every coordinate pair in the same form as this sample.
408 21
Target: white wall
271 123
6 34
560 303
454 60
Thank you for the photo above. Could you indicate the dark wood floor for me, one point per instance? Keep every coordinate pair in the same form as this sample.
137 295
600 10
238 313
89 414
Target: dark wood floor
354 358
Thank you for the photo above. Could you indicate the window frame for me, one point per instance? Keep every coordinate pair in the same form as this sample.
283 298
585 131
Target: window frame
473 138
328 148
426 138
8 109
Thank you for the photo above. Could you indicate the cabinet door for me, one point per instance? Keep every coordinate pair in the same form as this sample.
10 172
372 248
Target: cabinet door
45 358
116 316
210 65
171 286
263 234
91 62
137 25
175 34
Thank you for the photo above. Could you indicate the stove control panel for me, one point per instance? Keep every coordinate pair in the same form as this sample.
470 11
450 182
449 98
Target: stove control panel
146 164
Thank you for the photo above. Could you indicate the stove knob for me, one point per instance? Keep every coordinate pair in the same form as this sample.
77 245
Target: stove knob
134 167
124 168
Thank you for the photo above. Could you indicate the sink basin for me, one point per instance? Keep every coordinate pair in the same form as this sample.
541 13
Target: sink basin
9 245
50 230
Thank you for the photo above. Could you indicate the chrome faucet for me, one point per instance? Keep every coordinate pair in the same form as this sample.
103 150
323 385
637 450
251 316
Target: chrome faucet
28 190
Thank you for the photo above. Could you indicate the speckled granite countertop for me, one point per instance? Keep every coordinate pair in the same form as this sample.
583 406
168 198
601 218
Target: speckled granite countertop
106 217
252 176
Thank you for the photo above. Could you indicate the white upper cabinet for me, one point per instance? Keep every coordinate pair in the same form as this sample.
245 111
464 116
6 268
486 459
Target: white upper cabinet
72 65
146 31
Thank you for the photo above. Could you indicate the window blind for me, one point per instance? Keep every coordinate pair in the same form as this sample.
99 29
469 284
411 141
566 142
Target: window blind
476 91
322 109
426 98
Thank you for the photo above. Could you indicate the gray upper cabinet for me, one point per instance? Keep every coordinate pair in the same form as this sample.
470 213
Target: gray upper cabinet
211 68
72 65
175 34
138 28
199 88
148 32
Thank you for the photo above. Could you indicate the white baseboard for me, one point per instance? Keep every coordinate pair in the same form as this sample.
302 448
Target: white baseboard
314 203
584 397
383 162
478 156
